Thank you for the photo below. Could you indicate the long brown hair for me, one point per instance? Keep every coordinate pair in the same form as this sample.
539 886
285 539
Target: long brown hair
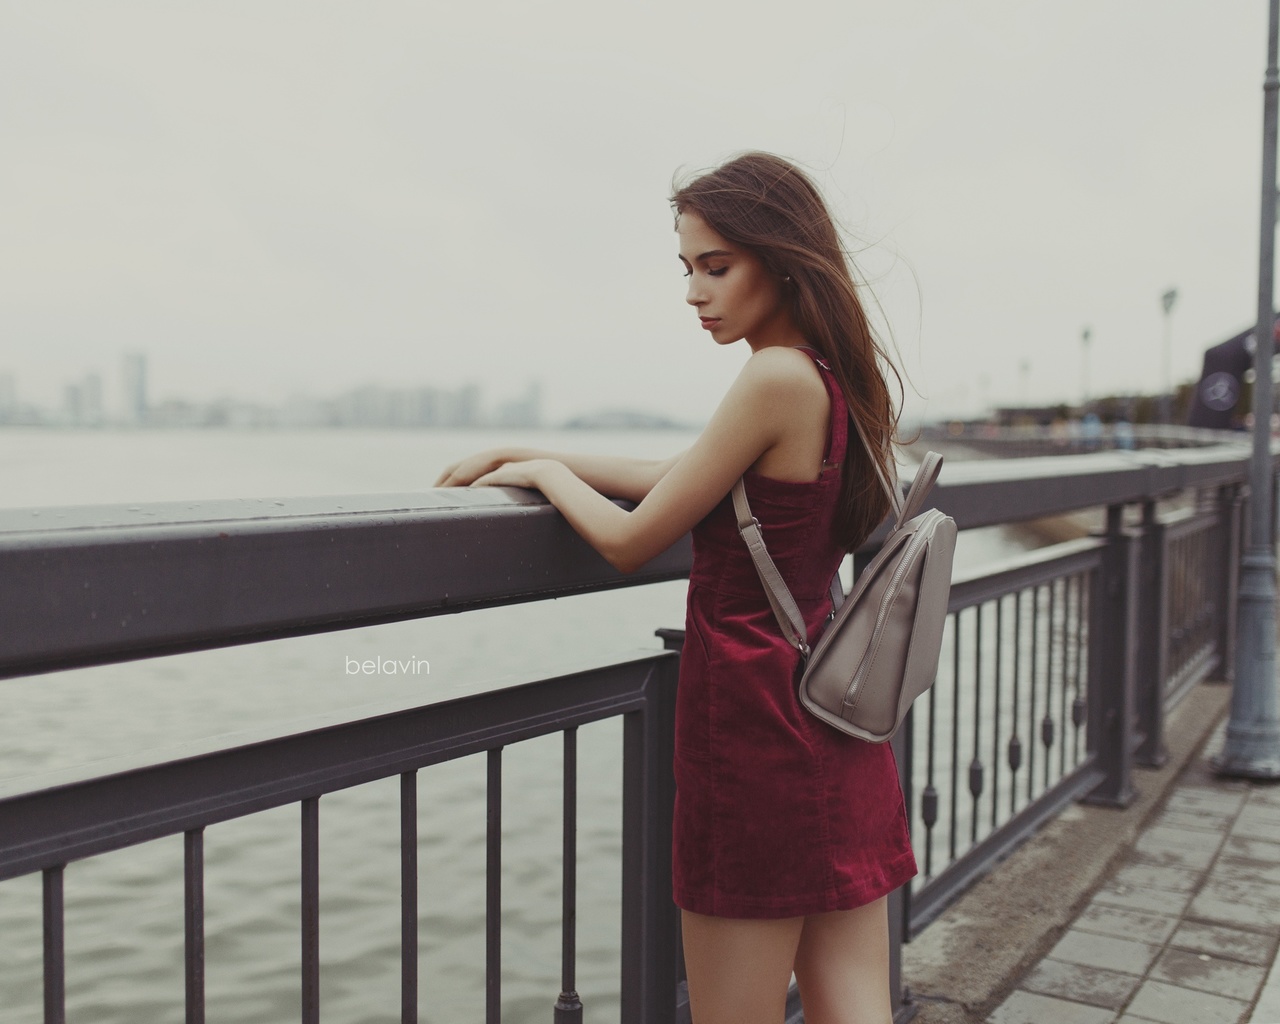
770 207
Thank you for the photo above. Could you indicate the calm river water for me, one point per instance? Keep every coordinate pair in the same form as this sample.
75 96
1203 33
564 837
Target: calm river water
124 911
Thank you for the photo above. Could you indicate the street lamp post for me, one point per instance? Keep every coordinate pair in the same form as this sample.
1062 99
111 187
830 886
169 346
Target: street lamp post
1252 748
1167 300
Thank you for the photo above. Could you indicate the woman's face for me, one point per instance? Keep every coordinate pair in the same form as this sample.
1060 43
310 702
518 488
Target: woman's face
735 296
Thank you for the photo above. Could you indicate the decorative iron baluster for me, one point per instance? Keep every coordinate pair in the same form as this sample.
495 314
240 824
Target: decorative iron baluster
975 766
955 740
995 718
1046 725
1015 744
1064 670
568 1008
1035 671
1079 709
929 798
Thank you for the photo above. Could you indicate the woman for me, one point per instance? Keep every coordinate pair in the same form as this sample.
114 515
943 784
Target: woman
789 835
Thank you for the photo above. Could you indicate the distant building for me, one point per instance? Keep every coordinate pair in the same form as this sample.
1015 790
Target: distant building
135 388
521 412
8 398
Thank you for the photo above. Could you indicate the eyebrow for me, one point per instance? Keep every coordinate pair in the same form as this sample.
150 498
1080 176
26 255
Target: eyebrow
709 254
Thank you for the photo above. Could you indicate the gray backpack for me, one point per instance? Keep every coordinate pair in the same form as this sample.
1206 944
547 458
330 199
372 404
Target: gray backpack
880 649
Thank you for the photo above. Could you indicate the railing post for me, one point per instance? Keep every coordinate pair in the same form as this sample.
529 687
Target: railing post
904 1008
649 917
1231 532
1113 662
1152 638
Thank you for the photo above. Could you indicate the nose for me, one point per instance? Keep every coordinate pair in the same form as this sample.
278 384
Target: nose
693 295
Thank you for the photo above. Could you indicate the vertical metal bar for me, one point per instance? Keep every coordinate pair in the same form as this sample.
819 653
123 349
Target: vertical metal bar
953 824
997 706
929 799
1047 725
1015 745
568 1008
493 893
193 903
1035 672
55 991
975 765
1086 640
1064 633
409 897
311 910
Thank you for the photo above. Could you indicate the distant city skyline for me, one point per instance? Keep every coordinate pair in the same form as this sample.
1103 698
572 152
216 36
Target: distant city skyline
84 404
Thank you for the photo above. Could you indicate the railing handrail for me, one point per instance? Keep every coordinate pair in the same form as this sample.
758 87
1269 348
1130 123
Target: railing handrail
90 585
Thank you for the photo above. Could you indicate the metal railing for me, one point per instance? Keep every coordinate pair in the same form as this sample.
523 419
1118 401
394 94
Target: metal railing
1058 667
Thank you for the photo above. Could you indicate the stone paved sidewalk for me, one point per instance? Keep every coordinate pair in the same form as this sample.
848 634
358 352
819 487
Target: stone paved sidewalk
1185 929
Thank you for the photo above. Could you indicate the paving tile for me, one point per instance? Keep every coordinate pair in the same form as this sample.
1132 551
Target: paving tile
1211 800
1264 796
1092 985
1233 913
1216 823
1157 901
1173 1004
1247 947
1255 849
1105 951
1183 839
1030 1008
1156 850
1258 814
1129 1019
1208 973
1259 894
1243 869
1124 923
1158 876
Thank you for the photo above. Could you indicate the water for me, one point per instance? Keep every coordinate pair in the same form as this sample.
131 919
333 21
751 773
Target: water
124 910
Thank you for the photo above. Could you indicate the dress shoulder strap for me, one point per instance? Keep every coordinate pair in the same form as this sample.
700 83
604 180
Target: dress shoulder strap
838 435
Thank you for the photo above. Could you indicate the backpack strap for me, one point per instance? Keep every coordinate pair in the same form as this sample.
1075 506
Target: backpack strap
785 609
784 605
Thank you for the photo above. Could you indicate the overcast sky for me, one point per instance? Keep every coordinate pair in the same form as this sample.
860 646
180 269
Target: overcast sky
270 197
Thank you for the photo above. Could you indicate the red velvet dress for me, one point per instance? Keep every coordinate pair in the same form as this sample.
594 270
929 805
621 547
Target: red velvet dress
777 814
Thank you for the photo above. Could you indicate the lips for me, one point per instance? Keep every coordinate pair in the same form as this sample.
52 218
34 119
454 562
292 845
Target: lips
708 322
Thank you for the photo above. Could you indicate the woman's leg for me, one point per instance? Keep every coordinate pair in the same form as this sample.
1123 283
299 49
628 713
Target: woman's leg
842 966
738 970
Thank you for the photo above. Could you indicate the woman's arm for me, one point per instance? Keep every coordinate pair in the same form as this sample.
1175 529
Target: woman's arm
614 476
770 398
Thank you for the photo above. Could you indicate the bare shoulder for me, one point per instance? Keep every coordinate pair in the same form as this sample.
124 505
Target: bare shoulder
784 374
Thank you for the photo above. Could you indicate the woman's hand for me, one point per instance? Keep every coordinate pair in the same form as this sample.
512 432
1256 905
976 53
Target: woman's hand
515 474
470 469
